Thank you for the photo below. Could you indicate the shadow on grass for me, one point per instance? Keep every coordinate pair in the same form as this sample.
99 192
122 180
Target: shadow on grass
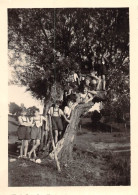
119 169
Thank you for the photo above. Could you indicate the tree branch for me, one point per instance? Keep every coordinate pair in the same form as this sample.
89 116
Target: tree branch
42 28
43 31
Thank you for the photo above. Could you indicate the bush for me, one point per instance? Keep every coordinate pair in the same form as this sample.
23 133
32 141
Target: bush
14 108
96 116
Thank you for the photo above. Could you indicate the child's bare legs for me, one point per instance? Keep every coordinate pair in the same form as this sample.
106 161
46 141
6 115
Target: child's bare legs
25 147
36 143
21 148
45 140
29 154
60 134
103 80
42 140
56 136
34 152
46 136
99 83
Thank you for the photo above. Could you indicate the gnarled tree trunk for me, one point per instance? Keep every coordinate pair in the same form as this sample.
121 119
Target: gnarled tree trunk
65 145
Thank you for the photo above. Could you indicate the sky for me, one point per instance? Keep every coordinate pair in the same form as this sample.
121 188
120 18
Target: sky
19 95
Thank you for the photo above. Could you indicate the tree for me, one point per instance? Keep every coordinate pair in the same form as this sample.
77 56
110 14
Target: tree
118 91
14 108
60 40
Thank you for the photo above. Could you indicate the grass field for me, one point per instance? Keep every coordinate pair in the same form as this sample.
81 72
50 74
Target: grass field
100 158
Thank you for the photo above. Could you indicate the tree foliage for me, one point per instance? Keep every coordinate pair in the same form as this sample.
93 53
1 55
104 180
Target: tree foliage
59 40
118 90
14 108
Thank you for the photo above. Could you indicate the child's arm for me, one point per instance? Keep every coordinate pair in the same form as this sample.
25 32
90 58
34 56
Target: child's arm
74 105
81 99
106 56
31 122
23 123
92 92
61 112
44 118
90 98
95 77
78 81
66 118
49 111
66 111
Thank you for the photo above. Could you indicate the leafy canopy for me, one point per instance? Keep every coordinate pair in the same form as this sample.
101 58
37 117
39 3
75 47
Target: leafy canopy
45 44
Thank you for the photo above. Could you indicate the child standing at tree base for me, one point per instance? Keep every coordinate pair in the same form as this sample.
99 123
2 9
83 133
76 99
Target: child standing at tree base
24 133
55 112
37 122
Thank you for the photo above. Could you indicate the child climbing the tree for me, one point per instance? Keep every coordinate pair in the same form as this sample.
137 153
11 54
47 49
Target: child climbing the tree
68 109
86 96
37 122
24 133
55 112
73 78
102 70
95 80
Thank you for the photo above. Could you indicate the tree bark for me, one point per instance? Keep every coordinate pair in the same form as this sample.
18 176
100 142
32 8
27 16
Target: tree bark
65 145
47 105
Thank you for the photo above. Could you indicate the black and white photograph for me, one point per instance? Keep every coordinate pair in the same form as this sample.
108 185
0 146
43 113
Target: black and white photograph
69 97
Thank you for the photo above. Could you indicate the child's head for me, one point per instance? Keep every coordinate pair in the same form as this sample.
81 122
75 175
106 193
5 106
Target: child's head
95 54
75 89
36 112
113 47
57 104
66 92
93 82
87 81
85 90
118 51
70 103
23 112
100 55
93 72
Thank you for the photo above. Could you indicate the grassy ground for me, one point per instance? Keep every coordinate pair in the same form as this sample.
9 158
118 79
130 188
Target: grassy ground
100 158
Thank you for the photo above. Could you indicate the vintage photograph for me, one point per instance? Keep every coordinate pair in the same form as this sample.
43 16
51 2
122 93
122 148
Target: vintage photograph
68 97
